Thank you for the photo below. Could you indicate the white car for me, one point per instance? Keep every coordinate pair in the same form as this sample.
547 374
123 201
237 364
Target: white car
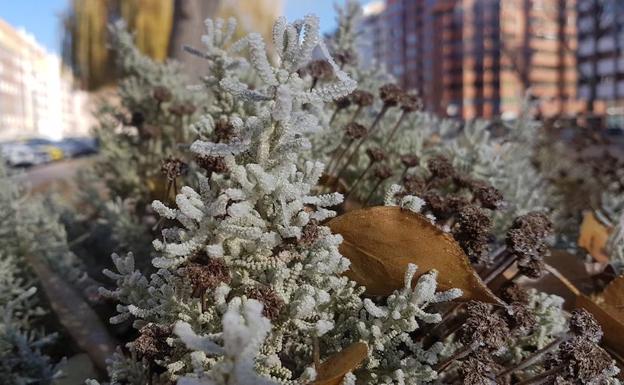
18 154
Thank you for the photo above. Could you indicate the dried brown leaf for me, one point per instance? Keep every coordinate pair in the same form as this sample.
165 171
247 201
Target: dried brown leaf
613 295
593 237
381 241
333 370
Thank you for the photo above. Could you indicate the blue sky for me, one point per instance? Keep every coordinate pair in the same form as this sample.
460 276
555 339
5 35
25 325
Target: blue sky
42 17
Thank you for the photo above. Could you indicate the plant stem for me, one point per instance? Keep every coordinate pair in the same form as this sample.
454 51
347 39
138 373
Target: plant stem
358 180
395 128
499 269
370 134
441 366
370 195
542 377
530 360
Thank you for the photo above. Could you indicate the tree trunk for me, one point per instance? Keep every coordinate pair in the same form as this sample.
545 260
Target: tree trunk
188 24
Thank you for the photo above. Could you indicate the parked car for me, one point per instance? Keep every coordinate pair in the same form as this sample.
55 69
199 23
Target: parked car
75 147
17 154
46 146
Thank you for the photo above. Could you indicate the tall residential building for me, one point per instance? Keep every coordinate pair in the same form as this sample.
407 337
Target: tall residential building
477 58
36 95
601 53
372 34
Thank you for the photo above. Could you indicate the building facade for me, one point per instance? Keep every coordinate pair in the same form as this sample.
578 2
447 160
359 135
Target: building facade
480 58
600 54
37 98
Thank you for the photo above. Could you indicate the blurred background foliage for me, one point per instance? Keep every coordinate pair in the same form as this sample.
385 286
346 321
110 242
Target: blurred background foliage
160 28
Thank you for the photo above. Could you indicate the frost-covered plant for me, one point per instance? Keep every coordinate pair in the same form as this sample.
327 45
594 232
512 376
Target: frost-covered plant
253 231
29 228
143 133
381 116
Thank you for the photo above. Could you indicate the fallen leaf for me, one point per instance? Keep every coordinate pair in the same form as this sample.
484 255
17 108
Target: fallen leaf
593 237
381 241
612 327
613 296
333 369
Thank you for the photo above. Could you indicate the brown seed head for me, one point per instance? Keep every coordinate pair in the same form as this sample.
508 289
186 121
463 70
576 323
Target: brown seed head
161 94
320 69
343 102
383 172
173 168
211 164
208 275
479 369
151 342
490 197
520 318
375 154
224 131
472 232
414 184
355 131
272 302
582 323
583 361
410 103
409 160
362 98
390 94
440 167
512 292
484 327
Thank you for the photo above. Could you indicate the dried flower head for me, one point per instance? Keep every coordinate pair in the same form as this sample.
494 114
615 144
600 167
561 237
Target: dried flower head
472 232
410 103
224 131
272 302
383 172
410 160
527 240
181 109
345 56
582 361
440 167
582 323
362 98
489 196
173 168
479 369
152 341
414 184
391 94
512 292
355 131
342 103
207 275
161 94
484 327
375 154
212 164
520 318
320 69
309 234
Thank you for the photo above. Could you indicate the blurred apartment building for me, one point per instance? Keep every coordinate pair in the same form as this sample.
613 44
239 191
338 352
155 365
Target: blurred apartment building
37 98
600 54
478 58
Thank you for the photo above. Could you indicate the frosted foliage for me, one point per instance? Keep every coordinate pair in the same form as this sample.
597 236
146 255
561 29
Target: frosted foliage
26 227
244 331
504 161
252 231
